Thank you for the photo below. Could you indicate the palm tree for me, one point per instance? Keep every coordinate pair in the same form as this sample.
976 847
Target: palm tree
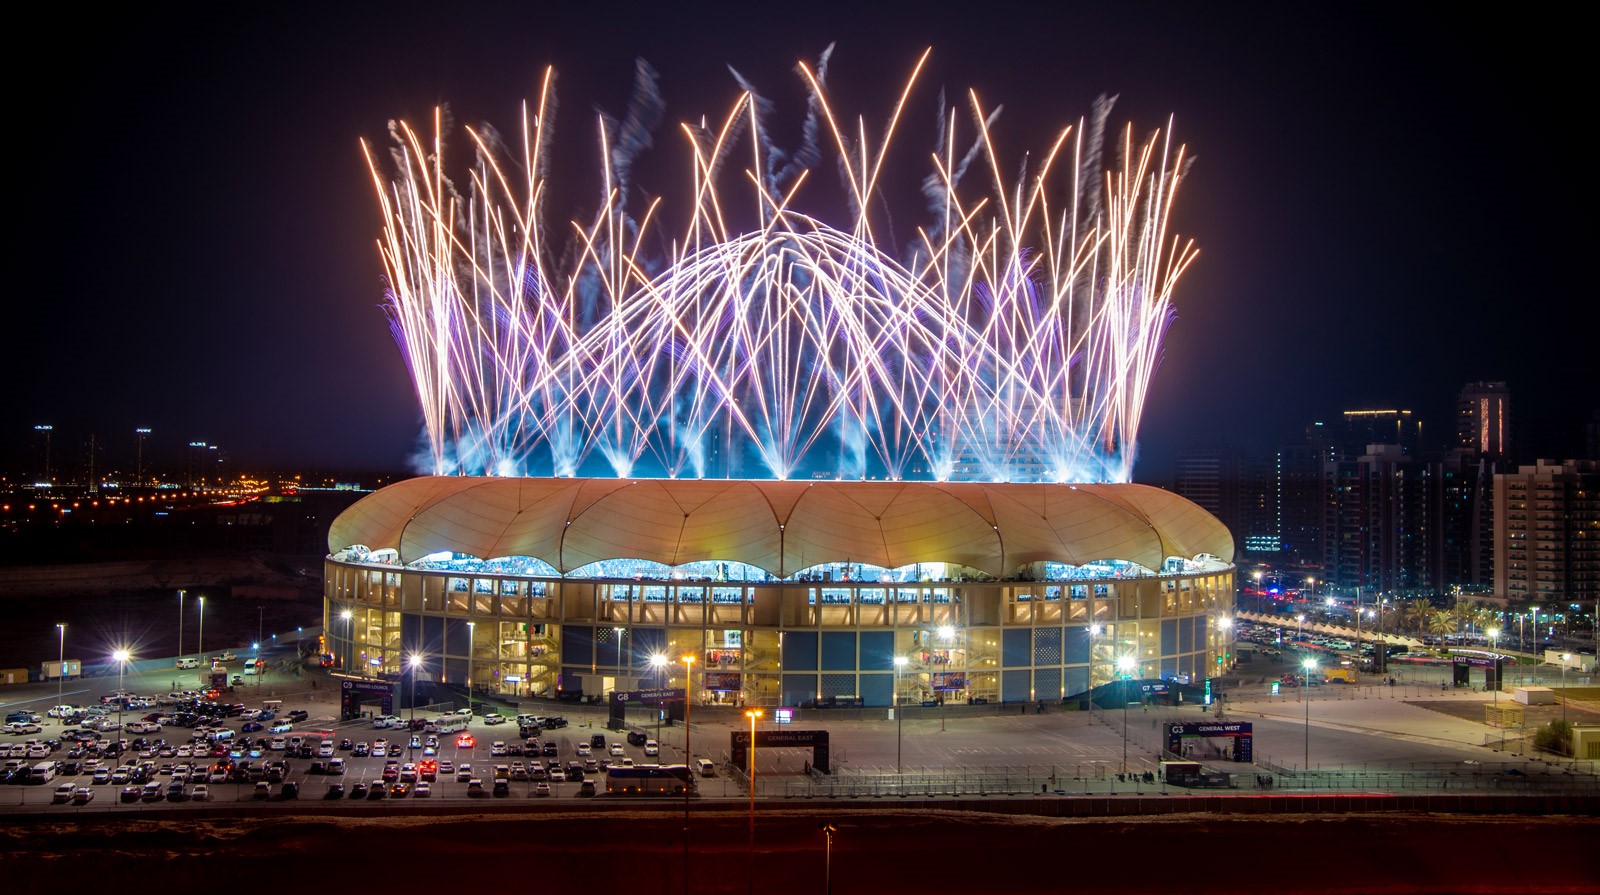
1416 614
1443 621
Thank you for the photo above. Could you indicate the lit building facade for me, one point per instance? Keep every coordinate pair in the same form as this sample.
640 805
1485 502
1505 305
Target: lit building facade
1547 533
783 593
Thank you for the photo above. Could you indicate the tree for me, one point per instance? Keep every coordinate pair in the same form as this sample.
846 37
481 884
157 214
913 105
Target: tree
1416 614
1443 621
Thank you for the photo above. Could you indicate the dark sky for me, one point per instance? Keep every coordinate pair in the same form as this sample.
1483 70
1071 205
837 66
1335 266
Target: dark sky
1387 204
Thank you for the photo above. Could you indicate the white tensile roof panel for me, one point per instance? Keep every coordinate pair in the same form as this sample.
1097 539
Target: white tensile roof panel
782 527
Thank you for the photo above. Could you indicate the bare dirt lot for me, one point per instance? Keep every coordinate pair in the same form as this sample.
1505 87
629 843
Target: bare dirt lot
876 851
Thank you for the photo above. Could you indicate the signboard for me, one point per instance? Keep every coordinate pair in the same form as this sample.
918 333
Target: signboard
782 716
352 694
724 681
669 694
949 680
815 740
1241 732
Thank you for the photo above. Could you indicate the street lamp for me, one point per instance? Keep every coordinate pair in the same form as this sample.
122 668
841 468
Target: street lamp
1299 624
1126 665
1257 576
899 725
1494 647
180 624
472 653
348 618
1225 625
659 662
415 663
61 672
1535 649
121 658
1310 665
616 683
200 640
1564 658
753 715
688 761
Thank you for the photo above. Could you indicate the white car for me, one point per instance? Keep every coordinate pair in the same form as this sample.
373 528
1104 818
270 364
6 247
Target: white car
281 727
494 718
278 744
385 721
422 791
200 793
249 714
60 711
23 727
651 747
616 749
325 750
585 749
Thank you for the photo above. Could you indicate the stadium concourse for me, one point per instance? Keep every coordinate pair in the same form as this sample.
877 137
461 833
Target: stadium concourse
777 593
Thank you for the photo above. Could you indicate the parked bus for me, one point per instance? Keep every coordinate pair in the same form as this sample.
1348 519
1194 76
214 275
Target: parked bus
650 780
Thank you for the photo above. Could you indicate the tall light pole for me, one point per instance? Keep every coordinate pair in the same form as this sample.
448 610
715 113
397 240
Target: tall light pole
899 725
180 624
1535 649
472 654
616 683
1309 665
61 672
1225 625
1299 626
827 858
659 662
1257 576
200 640
1564 658
1494 647
688 760
348 618
121 658
1126 665
415 663
753 715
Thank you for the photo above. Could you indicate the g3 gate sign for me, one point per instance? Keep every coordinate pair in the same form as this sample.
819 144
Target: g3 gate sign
1241 732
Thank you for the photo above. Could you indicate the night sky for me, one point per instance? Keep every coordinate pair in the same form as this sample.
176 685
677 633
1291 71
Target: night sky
1386 207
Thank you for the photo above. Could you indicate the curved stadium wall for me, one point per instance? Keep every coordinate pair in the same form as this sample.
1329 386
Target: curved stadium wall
783 592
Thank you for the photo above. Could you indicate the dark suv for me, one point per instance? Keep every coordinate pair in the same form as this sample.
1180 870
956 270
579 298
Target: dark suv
636 738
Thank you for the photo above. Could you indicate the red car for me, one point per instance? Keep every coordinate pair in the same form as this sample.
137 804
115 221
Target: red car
465 741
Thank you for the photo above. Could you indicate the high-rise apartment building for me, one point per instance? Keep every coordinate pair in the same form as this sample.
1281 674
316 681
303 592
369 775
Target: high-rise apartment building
1376 528
1547 533
1360 428
1209 475
1483 419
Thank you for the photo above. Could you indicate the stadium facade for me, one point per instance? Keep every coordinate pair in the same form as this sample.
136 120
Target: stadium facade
781 592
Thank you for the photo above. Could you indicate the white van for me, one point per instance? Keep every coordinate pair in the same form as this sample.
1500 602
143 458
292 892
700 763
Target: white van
707 769
188 663
250 665
43 772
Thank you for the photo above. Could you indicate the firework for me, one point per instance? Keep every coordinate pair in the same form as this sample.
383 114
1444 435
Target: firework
1012 338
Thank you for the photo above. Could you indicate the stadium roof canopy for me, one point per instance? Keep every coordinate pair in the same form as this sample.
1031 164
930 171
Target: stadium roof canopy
782 527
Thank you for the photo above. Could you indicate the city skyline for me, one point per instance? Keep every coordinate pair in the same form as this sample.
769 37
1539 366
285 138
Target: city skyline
243 286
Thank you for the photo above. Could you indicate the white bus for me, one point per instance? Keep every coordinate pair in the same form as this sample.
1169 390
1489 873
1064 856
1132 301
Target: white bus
449 724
